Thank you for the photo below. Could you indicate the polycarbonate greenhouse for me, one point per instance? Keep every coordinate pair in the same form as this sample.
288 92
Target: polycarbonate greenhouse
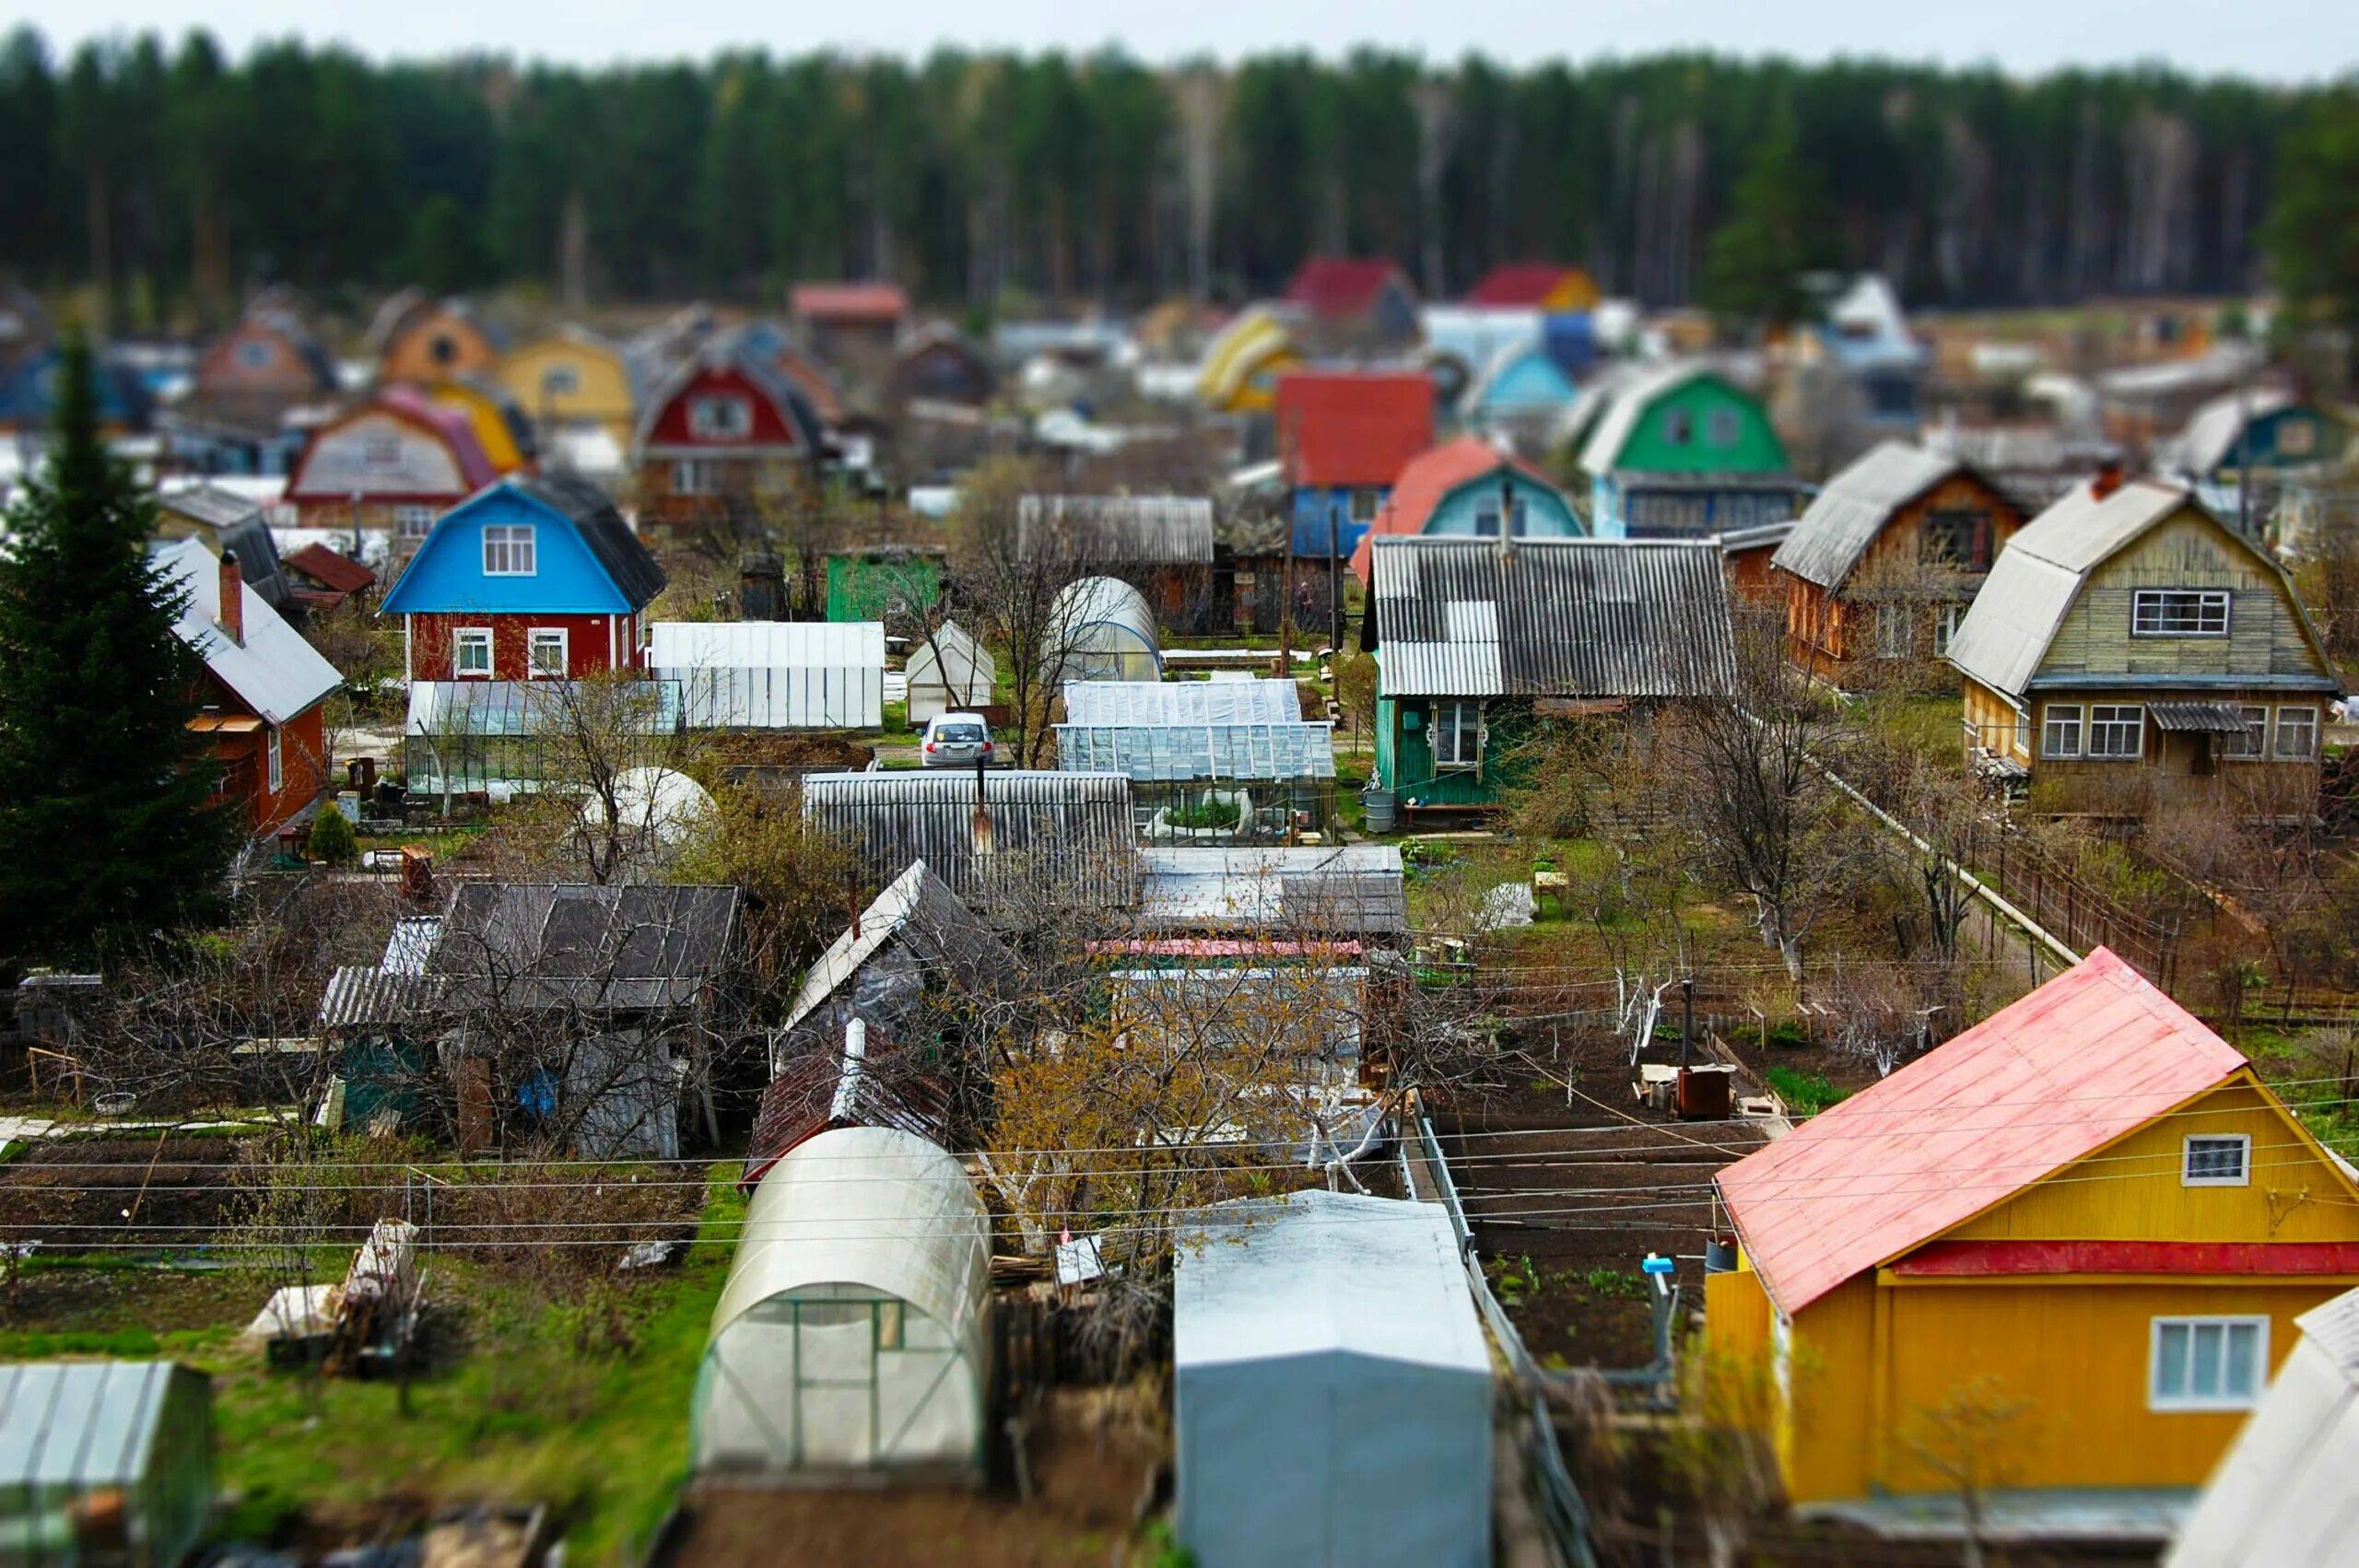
104 1463
850 1335
1105 631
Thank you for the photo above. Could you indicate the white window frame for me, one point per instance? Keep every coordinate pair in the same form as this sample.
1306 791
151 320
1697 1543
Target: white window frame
739 427
509 549
1466 732
2242 1141
1947 619
273 762
2307 725
695 476
2022 731
2157 1400
412 522
2251 743
1895 630
2136 723
2206 600
465 637
539 637
2055 716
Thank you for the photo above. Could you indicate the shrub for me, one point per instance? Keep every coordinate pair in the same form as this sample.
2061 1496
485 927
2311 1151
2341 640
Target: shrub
1612 1284
333 840
1808 1092
1207 813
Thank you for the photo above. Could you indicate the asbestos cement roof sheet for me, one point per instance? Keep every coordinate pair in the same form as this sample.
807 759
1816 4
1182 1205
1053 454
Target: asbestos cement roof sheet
270 667
1845 518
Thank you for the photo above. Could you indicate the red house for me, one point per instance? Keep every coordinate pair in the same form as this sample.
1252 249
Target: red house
1355 301
725 435
262 687
1344 436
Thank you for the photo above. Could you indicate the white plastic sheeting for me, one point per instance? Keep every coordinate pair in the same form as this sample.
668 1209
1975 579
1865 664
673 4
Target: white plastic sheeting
662 804
850 1335
1106 631
774 674
1345 1323
1128 704
948 669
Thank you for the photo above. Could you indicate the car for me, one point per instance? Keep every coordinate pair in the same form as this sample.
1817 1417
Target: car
957 740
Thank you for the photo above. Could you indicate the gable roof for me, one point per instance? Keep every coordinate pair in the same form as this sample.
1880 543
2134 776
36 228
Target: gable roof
1132 531
238 525
1048 831
2212 433
1628 404
563 944
865 1079
476 467
611 542
1513 284
1845 518
340 574
917 909
1428 479
1352 427
857 303
274 671
2093 1054
1338 287
1553 617
740 349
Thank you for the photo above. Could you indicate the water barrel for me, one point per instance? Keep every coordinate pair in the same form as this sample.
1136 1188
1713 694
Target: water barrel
1383 810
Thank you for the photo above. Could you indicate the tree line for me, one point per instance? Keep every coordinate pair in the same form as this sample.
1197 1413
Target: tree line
178 176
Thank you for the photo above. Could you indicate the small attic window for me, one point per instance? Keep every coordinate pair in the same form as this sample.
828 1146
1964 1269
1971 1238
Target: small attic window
2217 1160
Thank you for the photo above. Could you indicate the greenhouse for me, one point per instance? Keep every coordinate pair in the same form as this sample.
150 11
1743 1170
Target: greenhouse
1209 761
774 674
850 1335
104 1462
1106 631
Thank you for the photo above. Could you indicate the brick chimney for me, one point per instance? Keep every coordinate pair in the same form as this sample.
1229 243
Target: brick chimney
2108 480
233 598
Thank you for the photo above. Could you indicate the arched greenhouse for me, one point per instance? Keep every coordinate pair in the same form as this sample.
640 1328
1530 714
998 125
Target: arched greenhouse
1107 632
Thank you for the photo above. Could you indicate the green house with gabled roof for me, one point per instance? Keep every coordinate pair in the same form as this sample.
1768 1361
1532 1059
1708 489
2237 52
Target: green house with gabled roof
1683 452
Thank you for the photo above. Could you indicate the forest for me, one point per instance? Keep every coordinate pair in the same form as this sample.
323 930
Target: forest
177 176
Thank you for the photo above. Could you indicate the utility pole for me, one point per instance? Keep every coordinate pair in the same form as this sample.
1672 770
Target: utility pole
1285 610
1334 578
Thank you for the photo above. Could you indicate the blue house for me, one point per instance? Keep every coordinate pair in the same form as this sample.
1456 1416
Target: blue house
28 393
1469 489
1344 436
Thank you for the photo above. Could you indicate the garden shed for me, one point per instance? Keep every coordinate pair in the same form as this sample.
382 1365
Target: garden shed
104 1462
774 674
1346 1323
850 1335
948 670
1105 629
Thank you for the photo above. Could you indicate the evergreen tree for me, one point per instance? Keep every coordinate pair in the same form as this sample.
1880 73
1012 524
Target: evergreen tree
1776 230
2313 230
106 826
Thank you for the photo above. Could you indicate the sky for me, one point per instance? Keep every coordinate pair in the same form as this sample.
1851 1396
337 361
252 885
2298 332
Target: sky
2275 39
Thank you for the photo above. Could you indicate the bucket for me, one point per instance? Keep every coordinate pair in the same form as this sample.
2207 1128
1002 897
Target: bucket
1719 1256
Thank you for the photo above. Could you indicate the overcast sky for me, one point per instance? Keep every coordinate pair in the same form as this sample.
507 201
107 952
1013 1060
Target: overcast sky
2282 40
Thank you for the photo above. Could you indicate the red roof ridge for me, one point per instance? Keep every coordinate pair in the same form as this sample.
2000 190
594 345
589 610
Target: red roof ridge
1426 480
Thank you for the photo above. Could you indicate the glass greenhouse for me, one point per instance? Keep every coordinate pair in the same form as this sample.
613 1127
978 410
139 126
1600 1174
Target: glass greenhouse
103 1463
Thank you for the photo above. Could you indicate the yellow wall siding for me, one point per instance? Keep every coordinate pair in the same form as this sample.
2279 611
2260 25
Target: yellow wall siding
1829 1442
601 391
2265 633
1992 719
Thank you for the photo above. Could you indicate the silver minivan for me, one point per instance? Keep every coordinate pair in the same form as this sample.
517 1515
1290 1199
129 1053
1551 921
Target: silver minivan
957 740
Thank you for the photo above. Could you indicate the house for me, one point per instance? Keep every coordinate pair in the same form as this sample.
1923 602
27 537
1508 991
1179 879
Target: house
2086 1207
2283 1493
774 674
1013 843
534 579
1161 544
572 378
852 324
1333 1314
1746 552
227 522
1535 286
941 364
419 340
1460 340
867 1078
949 671
1528 384
1344 436
262 687
270 358
1469 488
1477 639
1863 338
1209 761
723 437
28 392
2130 649
2260 436
1682 451
395 463
1354 301
1246 359
320 580
497 420
105 1459
1887 557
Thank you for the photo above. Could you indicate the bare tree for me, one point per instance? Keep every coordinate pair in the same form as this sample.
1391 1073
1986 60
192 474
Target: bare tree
1974 1442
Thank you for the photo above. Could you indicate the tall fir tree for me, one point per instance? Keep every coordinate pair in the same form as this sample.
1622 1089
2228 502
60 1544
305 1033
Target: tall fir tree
108 827
1776 230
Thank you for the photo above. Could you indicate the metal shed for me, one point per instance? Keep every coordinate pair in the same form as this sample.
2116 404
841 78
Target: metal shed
774 674
1344 1322
1105 629
104 1462
849 1334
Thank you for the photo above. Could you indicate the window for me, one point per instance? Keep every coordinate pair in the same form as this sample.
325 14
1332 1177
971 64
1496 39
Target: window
2216 1160
2207 1363
695 476
559 380
1947 619
273 764
1487 519
2062 735
1365 502
2297 734
2297 438
2118 733
508 550
721 418
1679 426
546 649
380 451
1720 428
1458 733
412 523
1957 539
2252 741
2180 612
2023 734
444 348
471 652
1895 623
255 354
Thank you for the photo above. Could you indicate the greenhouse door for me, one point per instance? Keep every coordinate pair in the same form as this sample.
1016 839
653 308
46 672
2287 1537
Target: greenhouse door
835 1384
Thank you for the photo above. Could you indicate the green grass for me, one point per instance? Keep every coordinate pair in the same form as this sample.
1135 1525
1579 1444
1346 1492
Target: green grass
1805 1093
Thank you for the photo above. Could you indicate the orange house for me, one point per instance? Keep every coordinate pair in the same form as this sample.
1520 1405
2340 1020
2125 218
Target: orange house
262 687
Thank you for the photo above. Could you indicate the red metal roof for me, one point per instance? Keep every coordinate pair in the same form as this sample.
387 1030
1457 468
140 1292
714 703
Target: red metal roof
2093 1054
329 570
1429 477
1352 427
1518 285
849 302
1337 287
475 468
823 1089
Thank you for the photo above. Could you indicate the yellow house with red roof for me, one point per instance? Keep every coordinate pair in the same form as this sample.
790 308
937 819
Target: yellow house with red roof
2087 1210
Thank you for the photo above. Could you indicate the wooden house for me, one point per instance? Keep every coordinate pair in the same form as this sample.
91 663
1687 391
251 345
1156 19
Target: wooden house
497 420
722 437
1354 301
855 325
1535 286
321 579
247 401
269 356
1746 554
1162 546
1469 489
2256 437
2130 649
417 340
2086 1210
262 687
572 380
941 364
1887 557
1344 436
1477 639
396 463
1682 451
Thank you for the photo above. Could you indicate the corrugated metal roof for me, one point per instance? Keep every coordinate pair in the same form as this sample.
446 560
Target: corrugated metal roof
882 1086
1551 617
1049 830
2093 1054
82 1425
1846 517
1130 531
411 943
603 949
359 997
2196 717
1353 887
273 670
